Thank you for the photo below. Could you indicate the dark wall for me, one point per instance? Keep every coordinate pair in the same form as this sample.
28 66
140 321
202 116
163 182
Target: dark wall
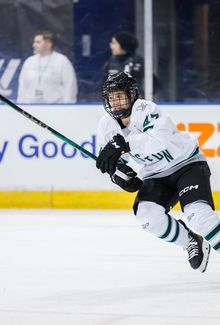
198 50
95 22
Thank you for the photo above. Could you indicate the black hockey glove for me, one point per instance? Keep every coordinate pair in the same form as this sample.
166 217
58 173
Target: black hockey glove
108 157
133 184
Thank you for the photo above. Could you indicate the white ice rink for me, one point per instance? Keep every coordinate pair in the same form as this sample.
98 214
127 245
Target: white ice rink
98 268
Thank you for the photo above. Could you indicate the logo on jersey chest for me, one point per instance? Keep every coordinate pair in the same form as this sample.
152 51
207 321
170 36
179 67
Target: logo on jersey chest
163 154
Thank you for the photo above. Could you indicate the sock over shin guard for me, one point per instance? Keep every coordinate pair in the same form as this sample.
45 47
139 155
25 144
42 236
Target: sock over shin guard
154 220
204 221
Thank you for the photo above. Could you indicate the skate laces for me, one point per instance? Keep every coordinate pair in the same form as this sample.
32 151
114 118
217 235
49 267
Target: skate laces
193 248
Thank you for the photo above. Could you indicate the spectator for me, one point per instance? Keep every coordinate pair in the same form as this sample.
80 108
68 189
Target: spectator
47 76
124 58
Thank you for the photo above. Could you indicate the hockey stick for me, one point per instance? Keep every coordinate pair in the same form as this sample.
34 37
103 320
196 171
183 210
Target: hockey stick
56 133
45 126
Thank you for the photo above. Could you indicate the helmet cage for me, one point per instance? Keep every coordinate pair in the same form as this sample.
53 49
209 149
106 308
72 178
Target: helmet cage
120 82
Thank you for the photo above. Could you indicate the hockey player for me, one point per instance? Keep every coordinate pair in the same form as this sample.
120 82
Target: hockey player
172 169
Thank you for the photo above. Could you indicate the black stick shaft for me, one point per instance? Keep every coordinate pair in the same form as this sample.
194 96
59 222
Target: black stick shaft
56 133
45 126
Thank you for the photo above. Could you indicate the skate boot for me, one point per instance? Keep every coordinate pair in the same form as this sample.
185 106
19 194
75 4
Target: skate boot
198 250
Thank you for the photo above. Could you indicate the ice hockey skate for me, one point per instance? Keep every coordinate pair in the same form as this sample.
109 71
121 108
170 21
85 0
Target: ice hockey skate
198 250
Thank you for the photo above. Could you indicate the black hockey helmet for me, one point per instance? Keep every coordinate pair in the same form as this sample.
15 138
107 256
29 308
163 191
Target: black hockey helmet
120 81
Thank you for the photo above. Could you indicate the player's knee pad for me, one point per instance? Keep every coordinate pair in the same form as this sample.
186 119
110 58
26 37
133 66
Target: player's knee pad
151 216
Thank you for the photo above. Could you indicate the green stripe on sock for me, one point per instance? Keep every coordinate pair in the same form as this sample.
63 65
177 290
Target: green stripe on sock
176 234
168 228
213 232
217 246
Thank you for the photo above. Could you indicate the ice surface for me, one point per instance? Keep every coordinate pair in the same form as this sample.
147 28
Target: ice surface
98 268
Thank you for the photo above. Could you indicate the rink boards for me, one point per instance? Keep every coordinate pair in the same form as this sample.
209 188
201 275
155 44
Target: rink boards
39 170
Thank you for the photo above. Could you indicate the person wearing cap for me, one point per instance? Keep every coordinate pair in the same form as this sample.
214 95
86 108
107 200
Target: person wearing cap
124 58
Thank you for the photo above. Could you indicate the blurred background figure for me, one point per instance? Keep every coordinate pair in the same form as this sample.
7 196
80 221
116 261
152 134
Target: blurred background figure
124 58
47 76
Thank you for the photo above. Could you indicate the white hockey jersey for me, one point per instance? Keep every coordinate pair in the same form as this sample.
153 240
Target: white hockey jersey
155 142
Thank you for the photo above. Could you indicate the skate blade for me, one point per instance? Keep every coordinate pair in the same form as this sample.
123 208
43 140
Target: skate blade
206 251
